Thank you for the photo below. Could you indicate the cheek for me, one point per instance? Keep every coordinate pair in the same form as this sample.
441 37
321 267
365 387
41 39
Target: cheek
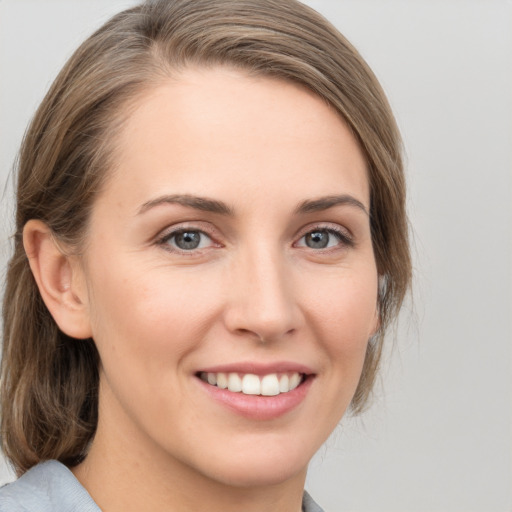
148 312
146 323
344 316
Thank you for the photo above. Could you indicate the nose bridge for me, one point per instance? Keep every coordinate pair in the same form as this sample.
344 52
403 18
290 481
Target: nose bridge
262 300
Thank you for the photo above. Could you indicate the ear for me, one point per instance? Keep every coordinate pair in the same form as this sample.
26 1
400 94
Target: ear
60 280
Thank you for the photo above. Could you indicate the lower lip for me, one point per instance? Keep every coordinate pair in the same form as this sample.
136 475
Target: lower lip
257 407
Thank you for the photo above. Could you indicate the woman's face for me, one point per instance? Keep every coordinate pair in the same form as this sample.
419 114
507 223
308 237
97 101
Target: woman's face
231 244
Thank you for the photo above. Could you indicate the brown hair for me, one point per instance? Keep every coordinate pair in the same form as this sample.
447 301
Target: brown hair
49 382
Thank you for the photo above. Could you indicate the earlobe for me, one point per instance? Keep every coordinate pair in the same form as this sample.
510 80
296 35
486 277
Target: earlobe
59 278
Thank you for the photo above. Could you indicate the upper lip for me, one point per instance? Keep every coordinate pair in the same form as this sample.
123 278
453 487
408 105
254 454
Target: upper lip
259 368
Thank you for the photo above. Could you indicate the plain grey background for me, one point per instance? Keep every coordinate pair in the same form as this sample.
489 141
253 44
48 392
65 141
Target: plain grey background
439 435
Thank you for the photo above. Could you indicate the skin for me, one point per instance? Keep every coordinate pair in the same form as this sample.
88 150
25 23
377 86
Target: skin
254 291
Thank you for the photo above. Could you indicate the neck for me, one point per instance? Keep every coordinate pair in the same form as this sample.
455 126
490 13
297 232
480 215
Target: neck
124 471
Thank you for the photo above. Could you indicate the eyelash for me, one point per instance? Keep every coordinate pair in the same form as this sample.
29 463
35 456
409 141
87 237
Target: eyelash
344 239
341 235
170 235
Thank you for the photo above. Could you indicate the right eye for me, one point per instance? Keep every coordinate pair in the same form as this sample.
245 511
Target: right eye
186 240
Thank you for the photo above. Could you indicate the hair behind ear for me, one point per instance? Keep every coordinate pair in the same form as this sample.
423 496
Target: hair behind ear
49 381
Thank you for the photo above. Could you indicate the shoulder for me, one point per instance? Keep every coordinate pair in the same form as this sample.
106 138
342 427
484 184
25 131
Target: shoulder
47 487
309 504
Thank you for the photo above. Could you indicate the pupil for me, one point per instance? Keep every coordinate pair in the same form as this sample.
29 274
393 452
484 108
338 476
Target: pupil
188 240
317 239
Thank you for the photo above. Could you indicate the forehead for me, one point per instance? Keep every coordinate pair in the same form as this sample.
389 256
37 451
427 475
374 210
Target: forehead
220 130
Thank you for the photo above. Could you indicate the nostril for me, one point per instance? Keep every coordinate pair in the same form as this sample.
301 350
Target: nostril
264 336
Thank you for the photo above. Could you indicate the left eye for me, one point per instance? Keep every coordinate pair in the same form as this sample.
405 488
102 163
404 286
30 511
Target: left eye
187 240
321 239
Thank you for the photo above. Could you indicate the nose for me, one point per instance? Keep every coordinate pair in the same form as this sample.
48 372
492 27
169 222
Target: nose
261 299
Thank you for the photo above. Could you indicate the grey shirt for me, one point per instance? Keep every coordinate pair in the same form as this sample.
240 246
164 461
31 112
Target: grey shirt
52 487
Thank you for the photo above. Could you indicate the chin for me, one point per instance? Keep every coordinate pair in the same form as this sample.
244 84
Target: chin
262 467
259 475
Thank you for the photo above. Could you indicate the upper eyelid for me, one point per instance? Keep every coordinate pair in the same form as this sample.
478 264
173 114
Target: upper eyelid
342 237
333 226
174 232
184 226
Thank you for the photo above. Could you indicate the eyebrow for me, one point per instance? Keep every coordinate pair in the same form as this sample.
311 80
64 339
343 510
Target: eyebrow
198 203
214 206
324 203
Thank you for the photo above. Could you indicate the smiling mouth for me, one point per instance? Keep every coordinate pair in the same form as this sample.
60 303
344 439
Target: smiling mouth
272 384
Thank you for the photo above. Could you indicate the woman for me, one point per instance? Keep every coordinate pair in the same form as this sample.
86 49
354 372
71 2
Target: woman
211 242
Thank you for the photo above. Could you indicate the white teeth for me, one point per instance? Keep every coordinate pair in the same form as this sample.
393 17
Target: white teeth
234 382
270 385
294 381
222 380
284 385
251 384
